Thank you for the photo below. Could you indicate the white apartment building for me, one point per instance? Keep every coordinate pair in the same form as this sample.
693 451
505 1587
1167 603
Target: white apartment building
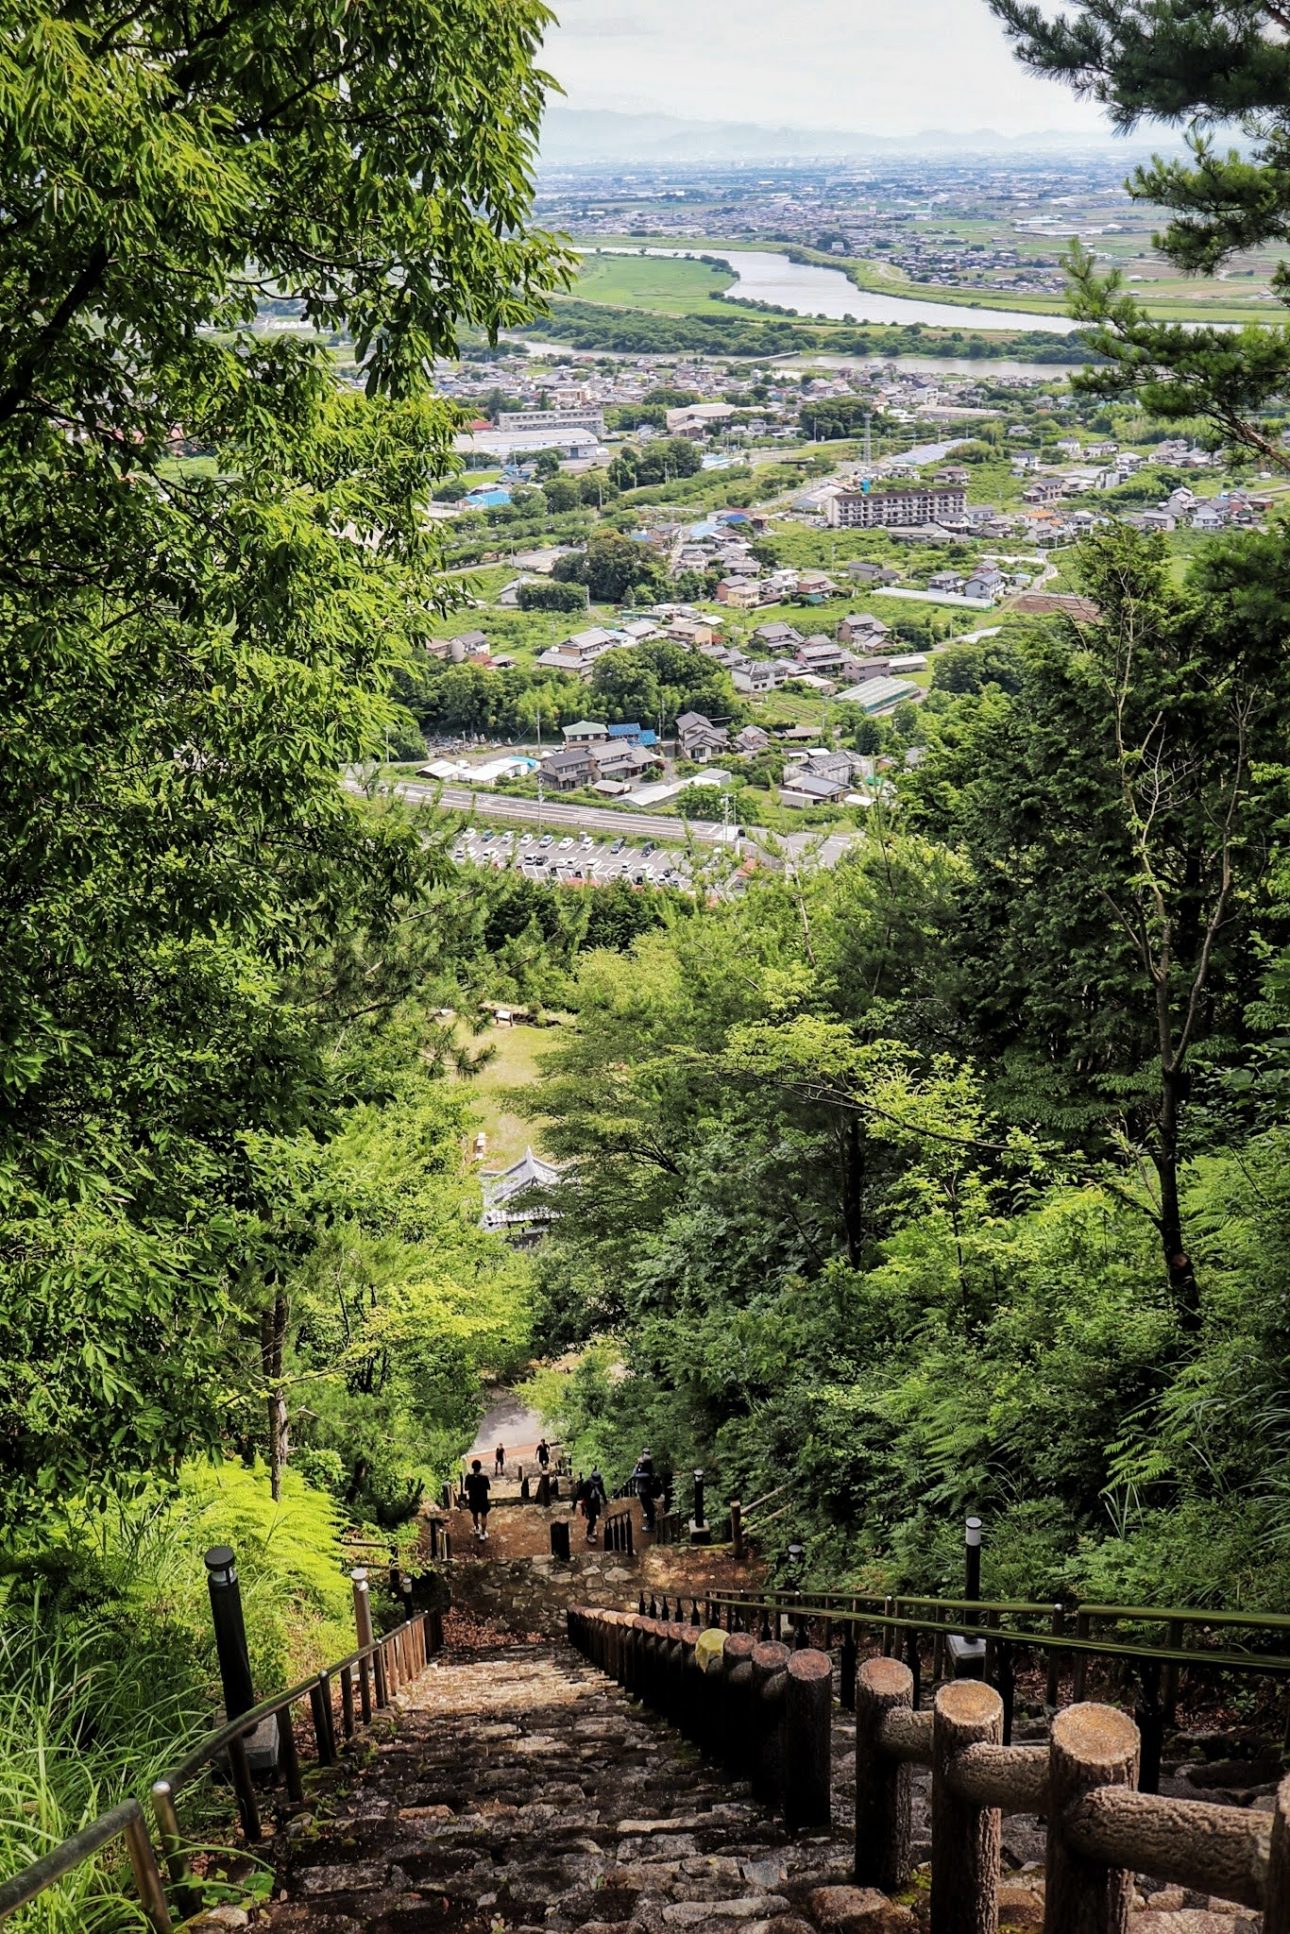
877 509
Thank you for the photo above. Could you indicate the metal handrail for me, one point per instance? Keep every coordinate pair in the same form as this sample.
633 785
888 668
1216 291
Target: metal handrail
766 1499
1042 1641
392 1658
1071 1608
125 1819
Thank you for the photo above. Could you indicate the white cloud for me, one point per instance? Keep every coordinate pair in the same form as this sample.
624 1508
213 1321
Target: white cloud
882 66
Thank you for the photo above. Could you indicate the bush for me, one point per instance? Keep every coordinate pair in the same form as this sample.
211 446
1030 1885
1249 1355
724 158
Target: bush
108 1672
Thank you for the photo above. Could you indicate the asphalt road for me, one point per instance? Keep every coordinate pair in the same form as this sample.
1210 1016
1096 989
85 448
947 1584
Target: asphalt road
564 813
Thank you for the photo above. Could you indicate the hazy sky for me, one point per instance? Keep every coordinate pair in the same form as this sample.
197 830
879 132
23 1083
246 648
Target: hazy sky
878 66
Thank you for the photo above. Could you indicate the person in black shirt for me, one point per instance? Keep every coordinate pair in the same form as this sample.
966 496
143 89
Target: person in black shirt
544 1453
477 1489
647 1487
499 1460
592 1500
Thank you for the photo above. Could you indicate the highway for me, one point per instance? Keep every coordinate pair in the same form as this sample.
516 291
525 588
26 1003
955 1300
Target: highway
566 814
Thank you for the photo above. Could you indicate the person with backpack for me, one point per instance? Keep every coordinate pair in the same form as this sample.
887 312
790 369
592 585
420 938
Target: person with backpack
646 1485
477 1489
592 1500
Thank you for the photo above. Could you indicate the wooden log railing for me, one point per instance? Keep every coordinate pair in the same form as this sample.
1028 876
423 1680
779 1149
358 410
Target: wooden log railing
1101 1831
762 1709
1068 1642
367 1679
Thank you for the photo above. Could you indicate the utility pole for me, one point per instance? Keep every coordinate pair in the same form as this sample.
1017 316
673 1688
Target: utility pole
539 771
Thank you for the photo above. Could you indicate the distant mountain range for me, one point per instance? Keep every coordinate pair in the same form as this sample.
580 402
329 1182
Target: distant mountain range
574 135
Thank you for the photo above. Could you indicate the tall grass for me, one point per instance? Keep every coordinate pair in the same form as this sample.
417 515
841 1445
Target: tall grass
107 1663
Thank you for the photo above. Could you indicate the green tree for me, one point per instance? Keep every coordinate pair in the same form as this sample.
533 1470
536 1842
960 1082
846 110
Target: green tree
610 567
1206 66
561 494
190 654
552 597
1120 814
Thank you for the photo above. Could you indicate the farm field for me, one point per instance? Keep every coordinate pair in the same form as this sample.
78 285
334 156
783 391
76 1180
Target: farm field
653 283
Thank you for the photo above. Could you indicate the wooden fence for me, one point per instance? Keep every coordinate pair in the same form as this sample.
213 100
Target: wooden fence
1101 1832
764 1708
1067 1639
760 1708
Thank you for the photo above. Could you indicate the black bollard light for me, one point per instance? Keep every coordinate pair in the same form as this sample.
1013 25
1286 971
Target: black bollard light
230 1630
698 1501
968 1655
972 1559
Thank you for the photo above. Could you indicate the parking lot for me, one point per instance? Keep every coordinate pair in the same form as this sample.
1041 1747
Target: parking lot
574 859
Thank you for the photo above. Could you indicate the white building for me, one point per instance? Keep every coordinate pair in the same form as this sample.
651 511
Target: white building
879 509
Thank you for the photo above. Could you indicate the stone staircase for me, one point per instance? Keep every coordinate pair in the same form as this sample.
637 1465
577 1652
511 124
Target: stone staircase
516 1790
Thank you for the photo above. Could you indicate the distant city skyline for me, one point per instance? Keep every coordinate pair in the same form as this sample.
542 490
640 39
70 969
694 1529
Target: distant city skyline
862 65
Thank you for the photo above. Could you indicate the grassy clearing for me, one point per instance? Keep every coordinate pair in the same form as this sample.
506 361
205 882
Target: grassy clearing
656 284
517 1054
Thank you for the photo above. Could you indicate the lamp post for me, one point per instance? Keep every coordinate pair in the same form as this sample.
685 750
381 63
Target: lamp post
230 1630
698 1500
972 1559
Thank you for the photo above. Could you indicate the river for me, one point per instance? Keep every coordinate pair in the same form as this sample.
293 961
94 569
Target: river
808 289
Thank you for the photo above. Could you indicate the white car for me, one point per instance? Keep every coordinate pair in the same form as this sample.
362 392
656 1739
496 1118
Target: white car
565 844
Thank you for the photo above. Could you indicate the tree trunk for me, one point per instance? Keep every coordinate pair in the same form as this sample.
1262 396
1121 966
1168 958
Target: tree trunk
273 1336
852 1186
1179 1268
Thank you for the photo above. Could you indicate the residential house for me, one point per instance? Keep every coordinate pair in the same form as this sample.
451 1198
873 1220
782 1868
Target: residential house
584 732
802 788
699 738
750 740
623 762
814 584
985 583
777 636
692 631
741 594
872 573
1044 490
863 629
1208 517
950 581
580 652
574 766
823 657
760 675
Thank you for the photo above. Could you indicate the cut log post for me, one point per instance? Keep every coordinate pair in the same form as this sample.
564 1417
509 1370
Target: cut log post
965 1837
805 1756
1276 1898
883 1833
769 1660
737 1653
1090 1746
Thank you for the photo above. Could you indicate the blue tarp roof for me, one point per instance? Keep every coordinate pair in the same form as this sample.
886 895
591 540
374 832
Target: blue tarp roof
624 731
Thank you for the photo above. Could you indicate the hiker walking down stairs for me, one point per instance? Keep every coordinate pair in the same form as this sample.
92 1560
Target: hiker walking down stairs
477 1489
647 1487
591 1500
